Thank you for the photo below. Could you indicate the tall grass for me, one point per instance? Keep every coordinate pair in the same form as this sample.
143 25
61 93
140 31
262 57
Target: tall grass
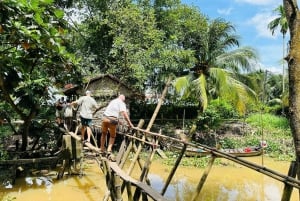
268 121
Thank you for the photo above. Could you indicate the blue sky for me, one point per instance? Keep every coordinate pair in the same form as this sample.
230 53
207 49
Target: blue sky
250 18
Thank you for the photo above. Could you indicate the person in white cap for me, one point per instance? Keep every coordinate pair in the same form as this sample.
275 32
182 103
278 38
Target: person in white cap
110 121
87 107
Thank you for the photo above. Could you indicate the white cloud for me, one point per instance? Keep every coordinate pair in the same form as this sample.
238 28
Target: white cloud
225 11
273 69
271 57
260 2
260 22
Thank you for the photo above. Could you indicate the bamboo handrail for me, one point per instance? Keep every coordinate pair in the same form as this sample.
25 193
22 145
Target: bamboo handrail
264 170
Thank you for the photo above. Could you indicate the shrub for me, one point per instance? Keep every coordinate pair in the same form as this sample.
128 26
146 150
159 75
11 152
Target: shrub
216 112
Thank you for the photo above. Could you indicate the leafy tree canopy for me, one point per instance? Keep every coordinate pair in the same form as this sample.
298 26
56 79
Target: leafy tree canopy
33 56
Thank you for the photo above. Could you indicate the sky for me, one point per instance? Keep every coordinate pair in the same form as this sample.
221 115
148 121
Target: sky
250 18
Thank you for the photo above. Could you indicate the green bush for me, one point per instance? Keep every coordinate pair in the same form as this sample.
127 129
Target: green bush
216 112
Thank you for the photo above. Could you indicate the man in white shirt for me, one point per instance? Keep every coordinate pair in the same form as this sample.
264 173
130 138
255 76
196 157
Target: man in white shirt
110 121
87 107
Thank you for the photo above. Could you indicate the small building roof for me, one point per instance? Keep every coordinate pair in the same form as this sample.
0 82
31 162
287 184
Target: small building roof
104 85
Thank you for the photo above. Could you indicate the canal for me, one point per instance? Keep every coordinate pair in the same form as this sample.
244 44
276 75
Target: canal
226 181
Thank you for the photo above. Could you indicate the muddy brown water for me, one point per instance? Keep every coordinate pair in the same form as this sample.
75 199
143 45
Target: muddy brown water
226 182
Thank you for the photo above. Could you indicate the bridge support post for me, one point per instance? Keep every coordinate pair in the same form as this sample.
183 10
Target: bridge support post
203 178
174 170
129 192
287 191
117 187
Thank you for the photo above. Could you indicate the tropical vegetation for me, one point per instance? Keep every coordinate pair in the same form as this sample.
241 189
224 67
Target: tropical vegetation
34 58
282 23
47 44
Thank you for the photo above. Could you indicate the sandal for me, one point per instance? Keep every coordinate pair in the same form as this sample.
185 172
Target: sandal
102 153
110 156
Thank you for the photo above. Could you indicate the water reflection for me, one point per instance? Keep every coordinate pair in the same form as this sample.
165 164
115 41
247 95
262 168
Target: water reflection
230 182
182 190
174 189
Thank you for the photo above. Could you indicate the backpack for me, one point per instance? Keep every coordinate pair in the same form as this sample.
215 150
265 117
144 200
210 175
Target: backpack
68 111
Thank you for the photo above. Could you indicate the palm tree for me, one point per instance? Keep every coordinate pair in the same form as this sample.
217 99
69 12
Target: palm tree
281 22
218 65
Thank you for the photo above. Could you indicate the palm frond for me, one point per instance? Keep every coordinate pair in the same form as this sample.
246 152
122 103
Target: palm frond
232 89
181 84
241 58
199 89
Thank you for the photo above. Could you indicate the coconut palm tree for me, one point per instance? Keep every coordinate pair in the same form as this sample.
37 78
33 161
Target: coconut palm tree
281 22
218 65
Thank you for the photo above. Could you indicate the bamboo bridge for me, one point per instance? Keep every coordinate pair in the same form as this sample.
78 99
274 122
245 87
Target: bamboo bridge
119 179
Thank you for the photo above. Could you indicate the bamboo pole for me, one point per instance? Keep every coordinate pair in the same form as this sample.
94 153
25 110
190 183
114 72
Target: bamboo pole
66 164
130 146
108 179
192 130
218 153
30 160
122 150
94 140
203 178
129 192
150 125
148 162
125 155
287 191
117 187
160 102
173 170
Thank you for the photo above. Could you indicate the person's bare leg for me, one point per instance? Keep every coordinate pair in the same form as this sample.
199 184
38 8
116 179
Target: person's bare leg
110 143
102 142
89 133
112 137
82 132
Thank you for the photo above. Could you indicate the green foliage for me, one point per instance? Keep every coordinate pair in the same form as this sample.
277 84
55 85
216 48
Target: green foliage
213 116
270 128
134 47
268 121
199 162
5 130
167 111
3 153
33 57
268 87
279 22
216 72
210 118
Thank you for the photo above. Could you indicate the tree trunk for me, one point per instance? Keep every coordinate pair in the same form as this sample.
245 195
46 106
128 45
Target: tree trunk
293 59
25 132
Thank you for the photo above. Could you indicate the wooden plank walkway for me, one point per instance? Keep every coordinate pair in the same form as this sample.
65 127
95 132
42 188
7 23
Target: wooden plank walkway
127 179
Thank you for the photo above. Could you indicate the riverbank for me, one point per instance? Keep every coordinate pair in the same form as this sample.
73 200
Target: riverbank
226 181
